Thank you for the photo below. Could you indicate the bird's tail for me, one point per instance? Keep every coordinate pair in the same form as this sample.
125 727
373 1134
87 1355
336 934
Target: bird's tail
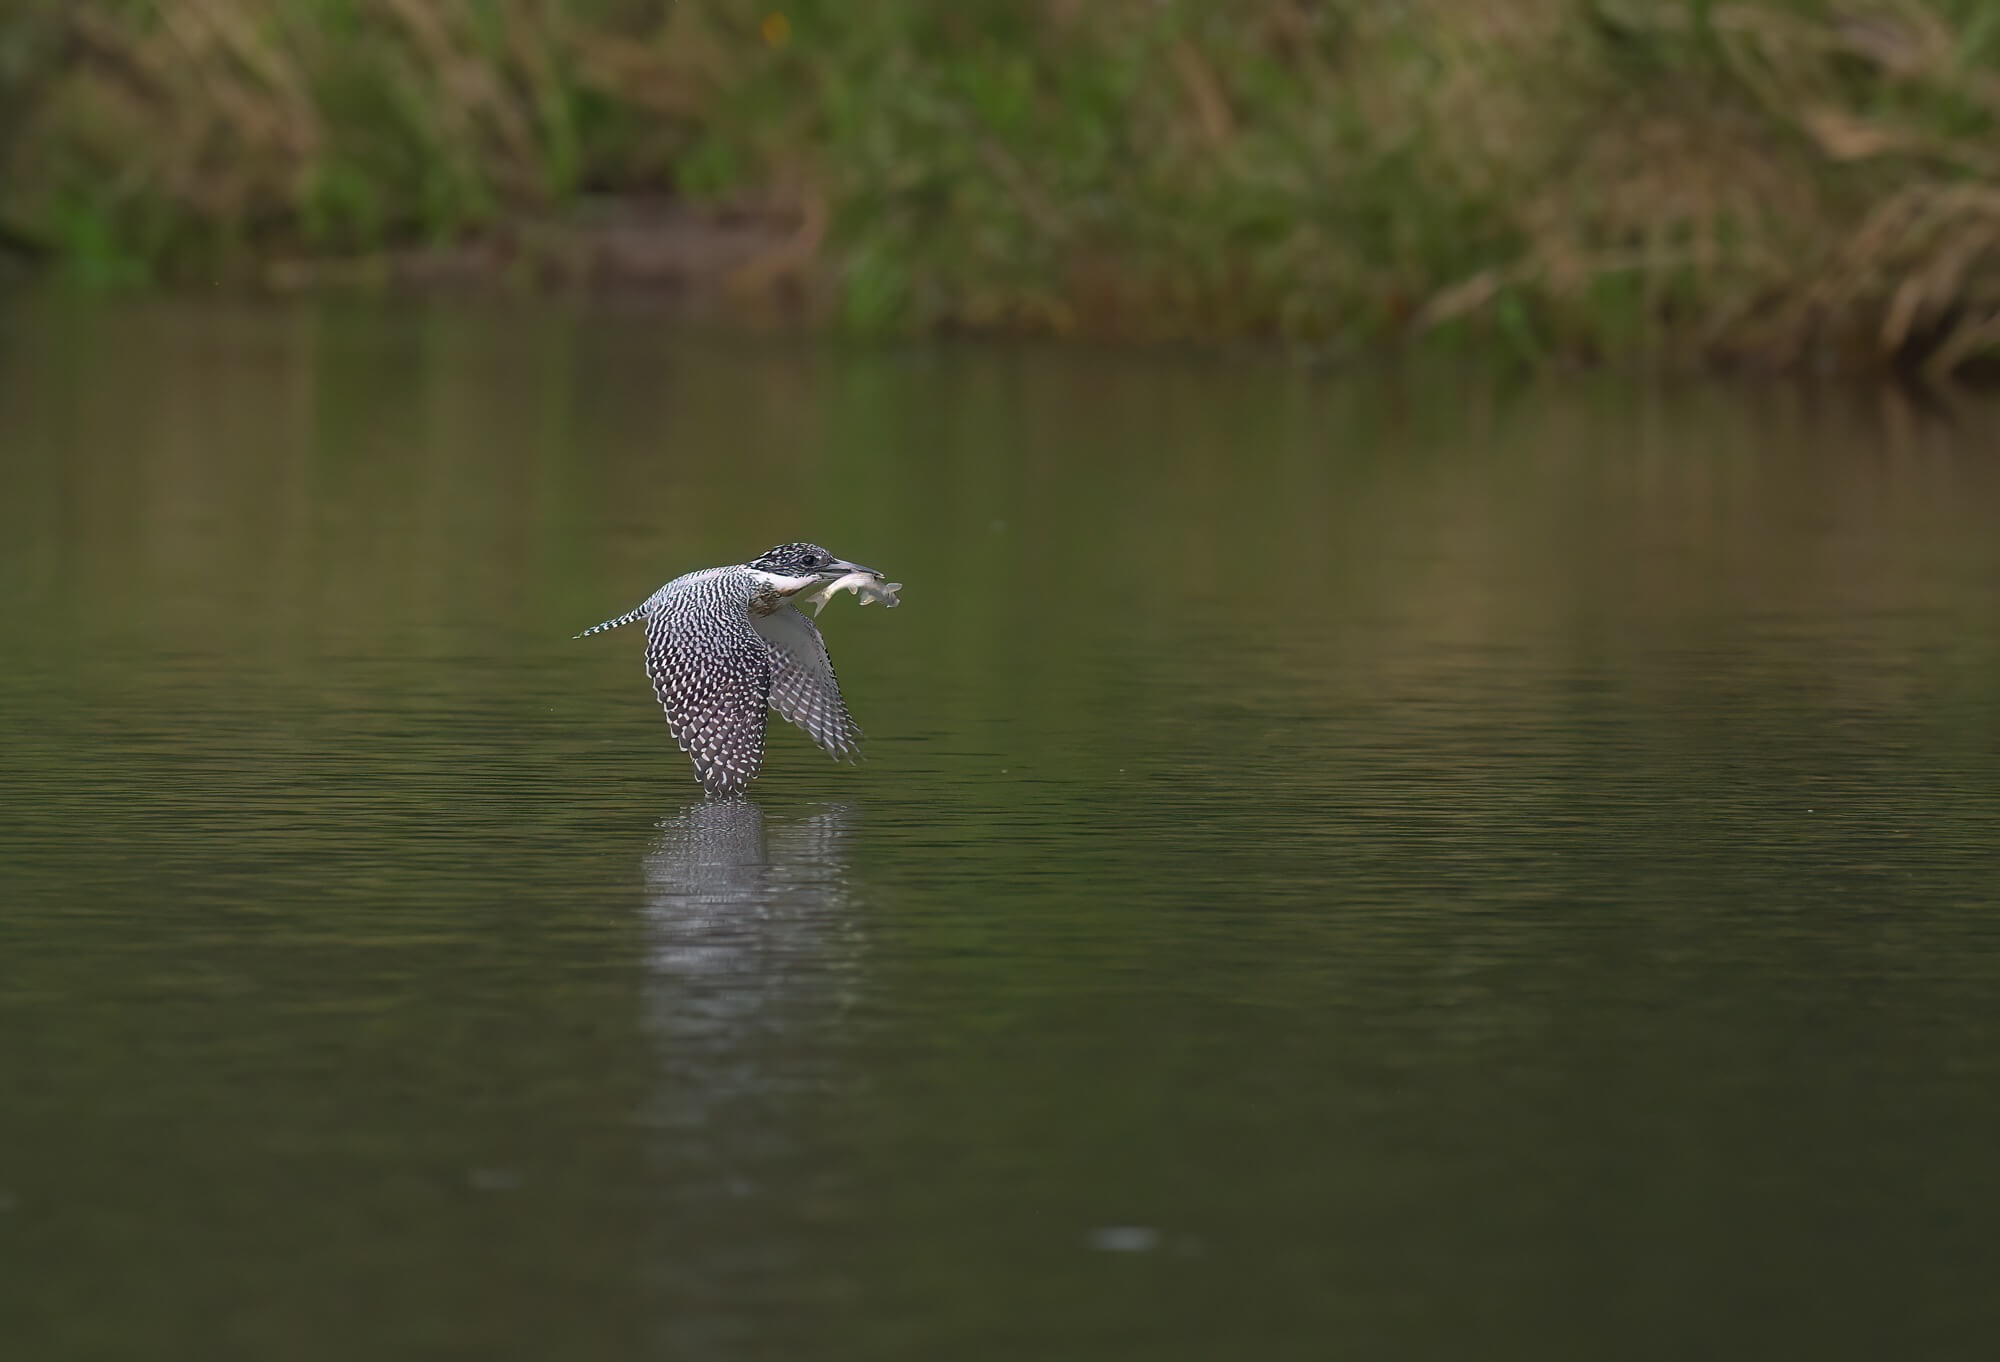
625 618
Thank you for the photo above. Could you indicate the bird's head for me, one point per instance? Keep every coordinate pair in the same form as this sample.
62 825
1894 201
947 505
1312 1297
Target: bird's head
792 568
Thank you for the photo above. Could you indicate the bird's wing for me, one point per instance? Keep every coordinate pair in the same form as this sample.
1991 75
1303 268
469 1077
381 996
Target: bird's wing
713 678
803 686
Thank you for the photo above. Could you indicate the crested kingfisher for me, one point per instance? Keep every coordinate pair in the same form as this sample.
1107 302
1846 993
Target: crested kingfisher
724 643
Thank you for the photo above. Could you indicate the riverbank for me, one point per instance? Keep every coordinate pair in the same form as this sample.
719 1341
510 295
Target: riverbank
1770 185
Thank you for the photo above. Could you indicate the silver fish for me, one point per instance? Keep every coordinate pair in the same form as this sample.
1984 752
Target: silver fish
865 585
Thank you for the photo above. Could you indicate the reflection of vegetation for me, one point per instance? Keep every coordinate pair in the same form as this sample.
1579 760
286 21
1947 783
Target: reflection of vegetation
1777 182
1291 802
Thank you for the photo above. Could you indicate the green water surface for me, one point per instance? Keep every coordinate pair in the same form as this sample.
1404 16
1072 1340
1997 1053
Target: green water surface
1377 866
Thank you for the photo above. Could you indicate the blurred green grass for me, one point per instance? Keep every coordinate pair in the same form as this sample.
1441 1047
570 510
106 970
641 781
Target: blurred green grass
1785 184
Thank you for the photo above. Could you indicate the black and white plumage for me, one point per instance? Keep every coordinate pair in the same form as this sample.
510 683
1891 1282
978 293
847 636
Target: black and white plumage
724 643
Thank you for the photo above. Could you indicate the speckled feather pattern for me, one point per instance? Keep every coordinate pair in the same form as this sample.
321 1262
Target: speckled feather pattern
721 650
804 688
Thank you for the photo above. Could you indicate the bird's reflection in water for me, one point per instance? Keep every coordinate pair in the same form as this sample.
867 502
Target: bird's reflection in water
755 956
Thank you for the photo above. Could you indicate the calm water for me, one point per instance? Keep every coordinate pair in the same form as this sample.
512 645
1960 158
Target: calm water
1403 867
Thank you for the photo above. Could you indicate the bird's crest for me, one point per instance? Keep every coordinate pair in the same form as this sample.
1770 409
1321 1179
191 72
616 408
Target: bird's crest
793 560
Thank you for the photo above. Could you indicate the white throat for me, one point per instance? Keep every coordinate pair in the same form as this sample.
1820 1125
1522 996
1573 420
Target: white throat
784 584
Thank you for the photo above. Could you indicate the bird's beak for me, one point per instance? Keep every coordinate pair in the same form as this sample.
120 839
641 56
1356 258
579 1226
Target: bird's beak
840 567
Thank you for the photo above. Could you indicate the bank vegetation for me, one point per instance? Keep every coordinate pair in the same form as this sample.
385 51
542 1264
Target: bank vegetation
1777 184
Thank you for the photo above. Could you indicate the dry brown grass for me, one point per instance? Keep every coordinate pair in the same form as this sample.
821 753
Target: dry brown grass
346 121
1825 195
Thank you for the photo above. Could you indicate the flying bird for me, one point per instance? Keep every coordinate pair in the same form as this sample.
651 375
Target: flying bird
724 643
